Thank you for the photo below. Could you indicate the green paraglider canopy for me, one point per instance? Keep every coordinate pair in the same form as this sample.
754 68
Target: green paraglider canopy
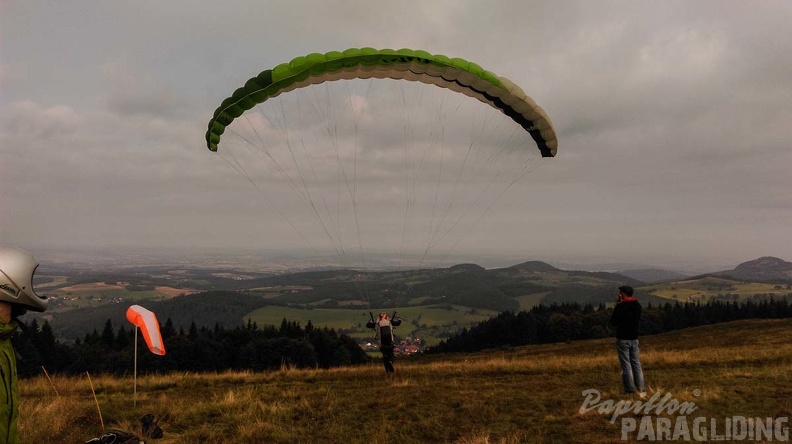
413 65
384 158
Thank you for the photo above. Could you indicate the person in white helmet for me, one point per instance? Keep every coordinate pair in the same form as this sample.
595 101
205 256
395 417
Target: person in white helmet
16 297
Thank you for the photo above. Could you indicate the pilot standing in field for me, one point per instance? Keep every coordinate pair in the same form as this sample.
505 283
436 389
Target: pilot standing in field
16 297
384 333
626 318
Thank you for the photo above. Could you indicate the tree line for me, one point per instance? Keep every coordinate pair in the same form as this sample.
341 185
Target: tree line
250 347
570 321
245 347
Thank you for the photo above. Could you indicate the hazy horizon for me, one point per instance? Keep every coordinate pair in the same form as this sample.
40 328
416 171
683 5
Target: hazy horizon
279 260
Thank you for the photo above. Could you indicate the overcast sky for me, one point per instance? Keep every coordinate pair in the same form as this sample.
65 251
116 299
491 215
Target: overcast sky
674 121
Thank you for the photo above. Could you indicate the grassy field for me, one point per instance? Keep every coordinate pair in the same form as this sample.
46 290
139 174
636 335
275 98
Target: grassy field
421 321
520 395
57 281
529 301
93 294
707 288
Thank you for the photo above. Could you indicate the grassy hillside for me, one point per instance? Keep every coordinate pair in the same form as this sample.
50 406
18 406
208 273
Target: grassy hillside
527 394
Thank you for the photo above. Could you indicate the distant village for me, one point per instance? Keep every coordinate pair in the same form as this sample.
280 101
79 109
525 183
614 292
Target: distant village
406 346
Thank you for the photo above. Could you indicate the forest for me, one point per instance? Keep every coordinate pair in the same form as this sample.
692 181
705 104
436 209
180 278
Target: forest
244 347
570 322
259 348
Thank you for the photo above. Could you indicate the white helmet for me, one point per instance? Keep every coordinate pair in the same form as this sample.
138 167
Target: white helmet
16 279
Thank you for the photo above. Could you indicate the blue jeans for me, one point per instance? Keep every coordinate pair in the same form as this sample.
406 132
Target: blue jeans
632 373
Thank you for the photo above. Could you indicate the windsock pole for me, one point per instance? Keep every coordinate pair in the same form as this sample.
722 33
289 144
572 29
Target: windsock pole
134 393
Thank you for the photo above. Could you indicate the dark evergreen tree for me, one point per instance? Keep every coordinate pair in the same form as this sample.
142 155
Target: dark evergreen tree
108 336
565 322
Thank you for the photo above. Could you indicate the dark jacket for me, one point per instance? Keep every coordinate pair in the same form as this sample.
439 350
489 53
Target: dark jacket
9 390
626 317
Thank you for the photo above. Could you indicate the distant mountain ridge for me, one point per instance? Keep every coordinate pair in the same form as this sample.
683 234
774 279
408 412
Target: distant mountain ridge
537 266
226 300
654 275
764 269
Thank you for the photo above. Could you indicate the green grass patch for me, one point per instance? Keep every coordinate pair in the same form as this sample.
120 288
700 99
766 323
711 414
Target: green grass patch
420 321
147 294
529 301
708 288
57 281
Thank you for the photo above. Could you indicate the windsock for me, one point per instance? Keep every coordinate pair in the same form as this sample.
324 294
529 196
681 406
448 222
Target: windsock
147 321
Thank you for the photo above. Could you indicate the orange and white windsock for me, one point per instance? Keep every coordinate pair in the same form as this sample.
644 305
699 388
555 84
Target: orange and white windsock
147 321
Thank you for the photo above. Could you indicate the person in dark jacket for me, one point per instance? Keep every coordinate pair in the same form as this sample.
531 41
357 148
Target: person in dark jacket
626 318
383 327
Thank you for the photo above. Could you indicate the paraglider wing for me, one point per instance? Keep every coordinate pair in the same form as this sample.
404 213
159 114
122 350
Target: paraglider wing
363 63
147 321
367 151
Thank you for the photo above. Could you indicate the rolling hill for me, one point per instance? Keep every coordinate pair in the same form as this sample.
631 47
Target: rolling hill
230 298
761 278
654 275
765 269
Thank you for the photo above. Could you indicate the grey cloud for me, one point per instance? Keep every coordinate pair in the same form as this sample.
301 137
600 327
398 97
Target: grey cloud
153 102
33 121
672 120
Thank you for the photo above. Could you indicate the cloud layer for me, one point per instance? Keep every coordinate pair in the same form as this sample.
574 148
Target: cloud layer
673 121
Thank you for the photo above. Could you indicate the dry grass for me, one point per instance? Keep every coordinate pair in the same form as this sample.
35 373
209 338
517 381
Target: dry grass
528 394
